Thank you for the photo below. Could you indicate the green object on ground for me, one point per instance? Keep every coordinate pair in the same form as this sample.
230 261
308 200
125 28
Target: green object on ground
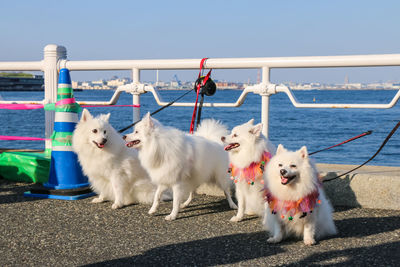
25 166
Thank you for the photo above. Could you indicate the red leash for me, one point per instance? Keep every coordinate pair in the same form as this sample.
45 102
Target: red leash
199 85
371 158
344 142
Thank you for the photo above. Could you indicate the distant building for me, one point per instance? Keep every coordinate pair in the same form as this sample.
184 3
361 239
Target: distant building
99 82
36 83
228 85
117 82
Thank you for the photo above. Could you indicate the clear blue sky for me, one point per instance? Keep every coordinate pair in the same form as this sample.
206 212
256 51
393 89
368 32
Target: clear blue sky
94 30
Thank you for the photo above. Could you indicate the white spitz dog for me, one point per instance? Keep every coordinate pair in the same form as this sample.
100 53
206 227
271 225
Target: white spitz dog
114 171
296 203
249 152
180 161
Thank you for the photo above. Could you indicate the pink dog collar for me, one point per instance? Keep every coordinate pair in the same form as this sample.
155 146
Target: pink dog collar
251 173
292 207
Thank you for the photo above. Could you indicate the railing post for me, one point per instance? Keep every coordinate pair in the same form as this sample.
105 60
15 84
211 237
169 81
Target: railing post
265 103
52 53
136 95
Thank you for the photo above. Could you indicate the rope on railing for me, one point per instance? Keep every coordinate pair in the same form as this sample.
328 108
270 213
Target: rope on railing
48 107
51 106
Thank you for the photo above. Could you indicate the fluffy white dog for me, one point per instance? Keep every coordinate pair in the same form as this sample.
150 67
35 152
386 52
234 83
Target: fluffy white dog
114 171
180 161
296 203
249 153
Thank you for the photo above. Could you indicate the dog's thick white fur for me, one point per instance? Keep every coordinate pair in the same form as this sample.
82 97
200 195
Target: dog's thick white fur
180 161
246 145
292 176
114 171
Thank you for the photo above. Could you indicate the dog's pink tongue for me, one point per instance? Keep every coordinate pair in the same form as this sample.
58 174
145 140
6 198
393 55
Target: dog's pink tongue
229 147
284 180
101 145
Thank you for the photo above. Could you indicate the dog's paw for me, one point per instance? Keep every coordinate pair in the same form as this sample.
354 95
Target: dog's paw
309 242
274 240
236 219
97 200
170 217
152 211
116 206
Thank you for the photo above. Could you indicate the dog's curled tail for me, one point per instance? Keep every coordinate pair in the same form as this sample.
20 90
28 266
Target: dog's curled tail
212 130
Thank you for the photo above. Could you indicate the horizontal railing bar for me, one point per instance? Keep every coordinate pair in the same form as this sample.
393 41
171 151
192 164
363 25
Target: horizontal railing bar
288 92
238 102
35 102
237 63
222 63
21 66
112 101
217 63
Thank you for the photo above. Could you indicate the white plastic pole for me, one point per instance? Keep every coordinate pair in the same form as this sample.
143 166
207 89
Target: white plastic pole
52 53
265 103
136 95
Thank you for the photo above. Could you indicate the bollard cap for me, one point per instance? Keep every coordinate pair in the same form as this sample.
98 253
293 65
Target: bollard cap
64 76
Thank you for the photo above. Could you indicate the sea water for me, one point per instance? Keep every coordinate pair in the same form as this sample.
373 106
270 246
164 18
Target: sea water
293 127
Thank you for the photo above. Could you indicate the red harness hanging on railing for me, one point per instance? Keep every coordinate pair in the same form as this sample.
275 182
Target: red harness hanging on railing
198 87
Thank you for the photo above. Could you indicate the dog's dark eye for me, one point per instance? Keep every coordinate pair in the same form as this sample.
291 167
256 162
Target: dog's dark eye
293 166
234 135
136 132
280 165
105 131
94 130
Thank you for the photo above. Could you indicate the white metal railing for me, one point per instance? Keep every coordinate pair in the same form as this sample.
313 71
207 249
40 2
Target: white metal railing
55 58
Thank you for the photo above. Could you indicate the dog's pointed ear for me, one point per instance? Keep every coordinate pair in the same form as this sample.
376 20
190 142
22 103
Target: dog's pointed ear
303 152
280 149
256 130
250 121
86 115
107 117
149 121
146 117
104 117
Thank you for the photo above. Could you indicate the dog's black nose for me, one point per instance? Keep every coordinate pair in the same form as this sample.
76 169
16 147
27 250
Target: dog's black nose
283 171
124 137
223 138
104 141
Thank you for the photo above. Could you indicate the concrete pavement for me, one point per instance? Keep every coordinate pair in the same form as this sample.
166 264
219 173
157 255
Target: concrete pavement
42 232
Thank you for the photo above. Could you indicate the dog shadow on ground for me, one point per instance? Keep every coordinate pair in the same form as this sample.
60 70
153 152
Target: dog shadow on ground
236 248
340 187
213 251
195 210
350 231
386 254
366 226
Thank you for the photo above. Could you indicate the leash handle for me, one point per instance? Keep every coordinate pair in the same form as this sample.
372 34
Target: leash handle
199 85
